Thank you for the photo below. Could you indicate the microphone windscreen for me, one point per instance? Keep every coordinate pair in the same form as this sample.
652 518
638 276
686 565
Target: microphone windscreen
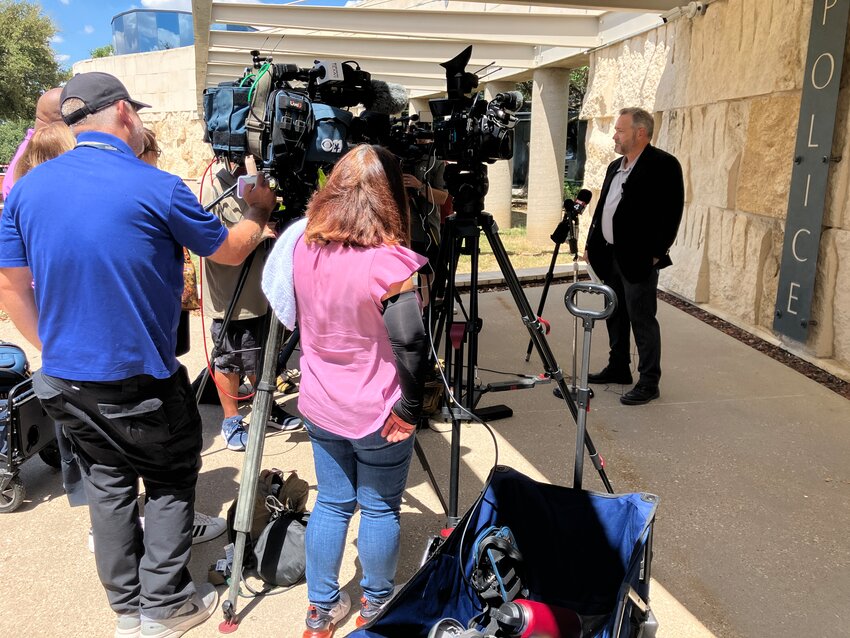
584 196
568 204
387 97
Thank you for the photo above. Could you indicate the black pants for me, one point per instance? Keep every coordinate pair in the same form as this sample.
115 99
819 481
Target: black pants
636 308
138 428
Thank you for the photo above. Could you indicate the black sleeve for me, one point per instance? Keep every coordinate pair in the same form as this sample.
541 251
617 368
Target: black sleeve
670 203
403 319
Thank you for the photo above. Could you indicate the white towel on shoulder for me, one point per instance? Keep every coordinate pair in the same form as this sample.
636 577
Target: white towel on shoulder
278 276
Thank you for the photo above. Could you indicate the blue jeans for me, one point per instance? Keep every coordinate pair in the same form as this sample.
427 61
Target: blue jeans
369 472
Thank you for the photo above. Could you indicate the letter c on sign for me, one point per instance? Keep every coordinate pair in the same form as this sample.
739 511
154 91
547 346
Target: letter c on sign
794 244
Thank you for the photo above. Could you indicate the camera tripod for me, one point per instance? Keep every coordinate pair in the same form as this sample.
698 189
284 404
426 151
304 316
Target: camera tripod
275 354
468 184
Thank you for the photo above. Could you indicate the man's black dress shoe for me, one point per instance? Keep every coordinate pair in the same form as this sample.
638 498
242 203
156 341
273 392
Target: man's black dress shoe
640 394
610 375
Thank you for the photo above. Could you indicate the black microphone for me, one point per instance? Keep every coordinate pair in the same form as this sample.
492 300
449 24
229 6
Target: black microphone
582 200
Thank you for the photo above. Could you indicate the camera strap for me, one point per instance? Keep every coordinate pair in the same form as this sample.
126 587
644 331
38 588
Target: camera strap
256 122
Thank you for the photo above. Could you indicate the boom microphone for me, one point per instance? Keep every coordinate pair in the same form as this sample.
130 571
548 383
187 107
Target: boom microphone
388 98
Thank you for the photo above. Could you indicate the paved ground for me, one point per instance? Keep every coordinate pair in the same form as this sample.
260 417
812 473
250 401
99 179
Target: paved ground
748 457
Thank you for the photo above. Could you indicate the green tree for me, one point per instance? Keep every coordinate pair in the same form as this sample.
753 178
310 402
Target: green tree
102 52
28 61
11 134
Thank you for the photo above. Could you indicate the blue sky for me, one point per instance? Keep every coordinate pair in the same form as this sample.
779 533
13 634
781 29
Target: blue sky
87 24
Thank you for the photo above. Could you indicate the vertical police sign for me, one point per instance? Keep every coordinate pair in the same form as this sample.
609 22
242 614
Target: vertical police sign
812 161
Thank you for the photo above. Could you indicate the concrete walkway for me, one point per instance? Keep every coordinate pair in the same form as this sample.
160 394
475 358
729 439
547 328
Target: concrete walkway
749 458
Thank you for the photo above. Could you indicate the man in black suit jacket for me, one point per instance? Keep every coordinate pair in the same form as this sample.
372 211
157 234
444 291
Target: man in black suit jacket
633 227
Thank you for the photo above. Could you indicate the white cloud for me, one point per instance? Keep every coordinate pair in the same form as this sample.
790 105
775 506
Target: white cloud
57 39
88 29
65 2
62 58
174 5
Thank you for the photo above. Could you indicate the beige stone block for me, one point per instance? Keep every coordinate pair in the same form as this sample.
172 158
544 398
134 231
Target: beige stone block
599 147
711 143
626 74
672 86
837 203
689 274
739 247
838 241
767 160
770 276
741 48
821 341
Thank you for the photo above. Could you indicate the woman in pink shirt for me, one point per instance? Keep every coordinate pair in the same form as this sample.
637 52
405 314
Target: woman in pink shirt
364 354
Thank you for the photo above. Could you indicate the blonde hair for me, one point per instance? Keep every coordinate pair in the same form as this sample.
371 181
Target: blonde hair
151 151
46 143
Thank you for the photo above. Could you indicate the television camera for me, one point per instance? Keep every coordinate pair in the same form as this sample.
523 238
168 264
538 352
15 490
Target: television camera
470 131
295 121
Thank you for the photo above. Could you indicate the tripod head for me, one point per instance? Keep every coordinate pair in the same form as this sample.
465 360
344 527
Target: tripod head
468 184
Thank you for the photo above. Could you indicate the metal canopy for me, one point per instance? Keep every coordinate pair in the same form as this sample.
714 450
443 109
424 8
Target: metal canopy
405 46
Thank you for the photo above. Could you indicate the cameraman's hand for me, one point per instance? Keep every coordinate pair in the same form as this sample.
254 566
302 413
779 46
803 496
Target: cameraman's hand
270 231
259 196
411 182
396 429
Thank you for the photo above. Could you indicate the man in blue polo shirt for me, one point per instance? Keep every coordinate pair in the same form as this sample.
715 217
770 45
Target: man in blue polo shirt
91 271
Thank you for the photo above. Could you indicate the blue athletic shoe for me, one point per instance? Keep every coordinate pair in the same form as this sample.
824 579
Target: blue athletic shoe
234 433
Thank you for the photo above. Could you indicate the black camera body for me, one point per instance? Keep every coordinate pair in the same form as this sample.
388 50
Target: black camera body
469 129
294 122
410 141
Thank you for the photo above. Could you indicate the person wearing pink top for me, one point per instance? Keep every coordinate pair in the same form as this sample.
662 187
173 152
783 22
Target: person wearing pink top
46 112
364 356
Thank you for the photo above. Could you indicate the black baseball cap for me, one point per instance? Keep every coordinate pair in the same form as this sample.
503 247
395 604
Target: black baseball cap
97 90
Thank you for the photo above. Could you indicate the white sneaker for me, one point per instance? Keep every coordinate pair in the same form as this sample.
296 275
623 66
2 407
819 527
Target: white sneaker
127 625
205 528
194 612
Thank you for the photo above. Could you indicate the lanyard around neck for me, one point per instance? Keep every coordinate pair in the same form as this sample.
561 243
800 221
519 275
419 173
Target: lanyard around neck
101 145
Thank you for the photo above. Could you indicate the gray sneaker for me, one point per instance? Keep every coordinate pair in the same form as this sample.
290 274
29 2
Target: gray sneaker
194 612
127 625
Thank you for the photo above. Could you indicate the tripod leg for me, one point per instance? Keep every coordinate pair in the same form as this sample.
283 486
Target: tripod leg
423 460
536 331
253 457
546 283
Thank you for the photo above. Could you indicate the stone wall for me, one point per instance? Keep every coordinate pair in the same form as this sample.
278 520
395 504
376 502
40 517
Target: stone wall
725 91
166 81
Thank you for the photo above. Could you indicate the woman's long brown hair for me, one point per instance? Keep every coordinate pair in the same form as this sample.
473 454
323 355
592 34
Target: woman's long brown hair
363 202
